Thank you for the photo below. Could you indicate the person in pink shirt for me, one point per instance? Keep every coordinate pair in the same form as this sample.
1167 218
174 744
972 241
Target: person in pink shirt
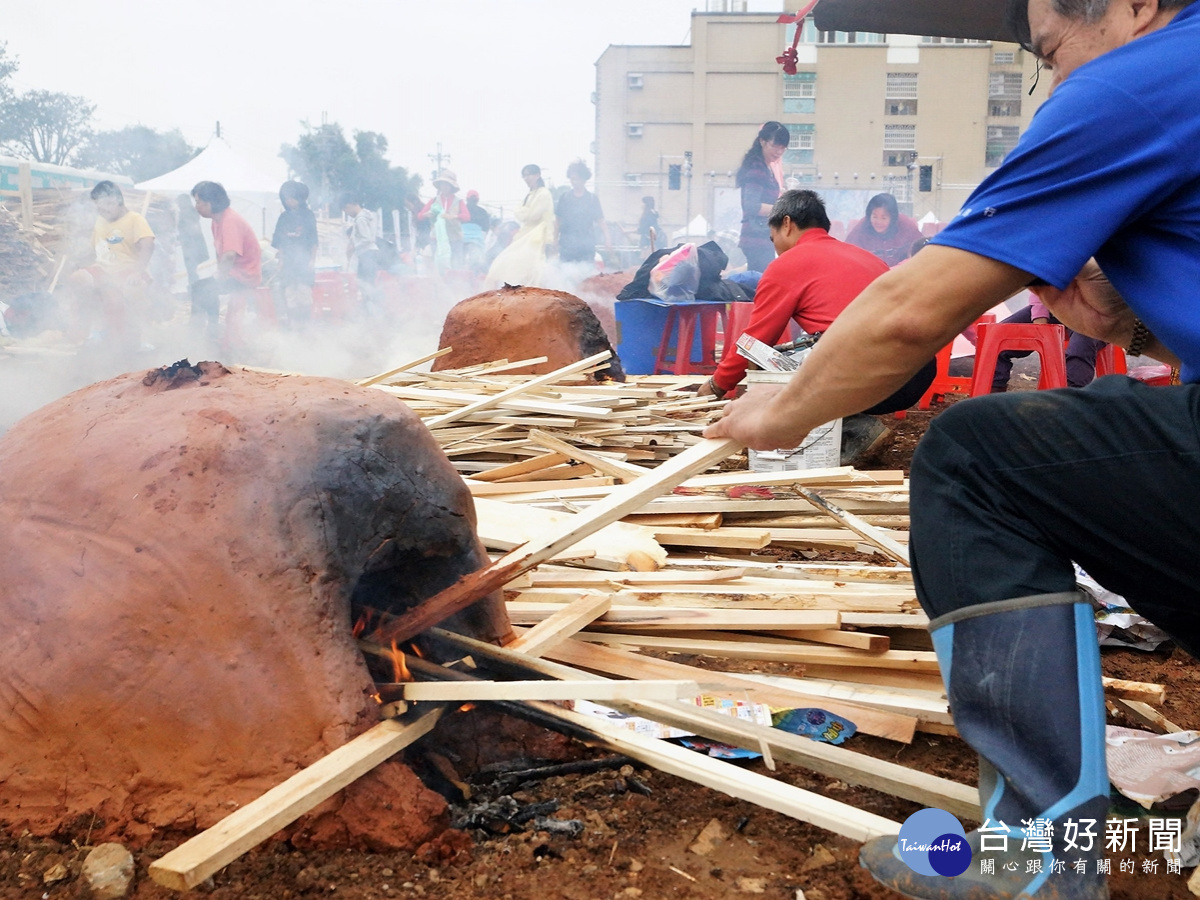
239 255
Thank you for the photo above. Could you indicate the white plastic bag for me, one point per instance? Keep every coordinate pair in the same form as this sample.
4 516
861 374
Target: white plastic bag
677 276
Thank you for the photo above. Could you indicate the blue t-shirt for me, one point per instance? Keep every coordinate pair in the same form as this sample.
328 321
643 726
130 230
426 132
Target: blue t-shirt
1110 168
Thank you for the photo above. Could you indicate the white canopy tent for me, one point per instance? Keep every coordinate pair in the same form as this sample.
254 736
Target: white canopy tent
253 190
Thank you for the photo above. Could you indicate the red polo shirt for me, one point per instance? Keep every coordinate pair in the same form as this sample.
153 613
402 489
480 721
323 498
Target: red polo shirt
811 283
233 233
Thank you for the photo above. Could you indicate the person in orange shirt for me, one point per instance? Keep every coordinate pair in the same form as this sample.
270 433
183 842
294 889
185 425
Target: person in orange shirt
239 255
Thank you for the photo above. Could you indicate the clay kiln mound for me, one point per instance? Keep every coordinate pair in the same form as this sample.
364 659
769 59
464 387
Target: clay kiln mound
600 293
522 323
180 555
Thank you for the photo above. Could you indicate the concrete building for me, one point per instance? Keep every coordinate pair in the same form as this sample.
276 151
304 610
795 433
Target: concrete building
921 117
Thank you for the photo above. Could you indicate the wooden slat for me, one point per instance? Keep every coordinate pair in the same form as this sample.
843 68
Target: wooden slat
872 535
563 623
620 503
498 399
731 647
195 860
837 762
680 619
480 691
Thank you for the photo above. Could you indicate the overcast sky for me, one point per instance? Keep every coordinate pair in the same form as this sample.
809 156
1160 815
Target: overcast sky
499 83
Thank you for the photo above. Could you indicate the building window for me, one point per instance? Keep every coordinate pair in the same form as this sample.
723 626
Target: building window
799 93
899 107
810 35
899 137
1004 94
802 143
802 85
899 144
933 39
635 129
1004 57
1000 140
901 86
634 81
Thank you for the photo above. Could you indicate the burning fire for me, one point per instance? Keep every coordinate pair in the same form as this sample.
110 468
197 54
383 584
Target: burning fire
399 668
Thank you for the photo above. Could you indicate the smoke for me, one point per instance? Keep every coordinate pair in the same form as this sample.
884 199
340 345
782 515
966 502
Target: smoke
38 370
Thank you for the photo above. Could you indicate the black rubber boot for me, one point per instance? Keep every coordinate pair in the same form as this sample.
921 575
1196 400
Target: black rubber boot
1023 678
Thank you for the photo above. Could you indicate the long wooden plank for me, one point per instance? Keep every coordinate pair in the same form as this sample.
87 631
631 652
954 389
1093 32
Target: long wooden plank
367 382
195 860
872 535
625 664
837 762
727 778
682 619
479 691
524 467
617 505
563 623
498 399
777 651
623 472
832 815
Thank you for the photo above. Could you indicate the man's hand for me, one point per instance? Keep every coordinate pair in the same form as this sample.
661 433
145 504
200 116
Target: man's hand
747 418
1091 306
709 389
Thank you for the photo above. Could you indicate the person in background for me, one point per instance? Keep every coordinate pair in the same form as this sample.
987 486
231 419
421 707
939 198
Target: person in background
296 240
810 282
1080 352
884 231
475 234
110 291
362 245
446 214
579 214
647 228
760 178
239 256
480 217
523 261
191 238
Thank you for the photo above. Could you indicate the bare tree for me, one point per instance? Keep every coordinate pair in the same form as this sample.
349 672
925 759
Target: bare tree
45 125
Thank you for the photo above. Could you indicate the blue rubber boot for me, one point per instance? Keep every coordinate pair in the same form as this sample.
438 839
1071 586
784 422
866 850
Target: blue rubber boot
1023 678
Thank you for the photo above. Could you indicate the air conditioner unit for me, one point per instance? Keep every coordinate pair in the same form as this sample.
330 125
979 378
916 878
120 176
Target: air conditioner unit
634 81
634 129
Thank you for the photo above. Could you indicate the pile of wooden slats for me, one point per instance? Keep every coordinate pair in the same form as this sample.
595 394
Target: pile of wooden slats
693 573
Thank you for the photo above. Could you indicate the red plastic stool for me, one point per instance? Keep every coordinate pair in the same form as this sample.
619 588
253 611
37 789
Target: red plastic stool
682 322
737 317
1045 340
1160 375
1110 360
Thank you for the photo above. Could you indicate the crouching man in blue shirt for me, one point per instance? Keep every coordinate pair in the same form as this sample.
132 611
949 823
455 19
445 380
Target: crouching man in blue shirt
1100 201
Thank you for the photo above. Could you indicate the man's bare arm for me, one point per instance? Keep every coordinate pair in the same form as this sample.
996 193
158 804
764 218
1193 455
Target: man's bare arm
890 330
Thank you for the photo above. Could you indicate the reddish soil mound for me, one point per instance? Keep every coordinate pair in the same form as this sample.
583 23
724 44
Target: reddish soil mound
523 323
181 555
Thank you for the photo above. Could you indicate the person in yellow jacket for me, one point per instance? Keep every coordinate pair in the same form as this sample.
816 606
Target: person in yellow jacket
524 260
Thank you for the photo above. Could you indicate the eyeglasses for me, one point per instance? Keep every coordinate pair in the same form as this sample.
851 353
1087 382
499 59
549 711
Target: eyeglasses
1037 74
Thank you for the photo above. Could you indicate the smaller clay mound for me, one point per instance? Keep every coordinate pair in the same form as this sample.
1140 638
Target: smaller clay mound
524 323
181 552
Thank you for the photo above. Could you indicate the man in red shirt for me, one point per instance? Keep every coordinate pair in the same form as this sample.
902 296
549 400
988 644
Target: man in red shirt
813 278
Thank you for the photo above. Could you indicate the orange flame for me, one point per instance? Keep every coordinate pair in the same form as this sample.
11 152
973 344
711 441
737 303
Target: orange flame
399 669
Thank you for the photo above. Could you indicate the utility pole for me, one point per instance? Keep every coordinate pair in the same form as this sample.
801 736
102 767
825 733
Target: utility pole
687 171
437 159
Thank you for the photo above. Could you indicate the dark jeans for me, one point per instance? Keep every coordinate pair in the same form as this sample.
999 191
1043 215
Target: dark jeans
1081 355
1009 489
